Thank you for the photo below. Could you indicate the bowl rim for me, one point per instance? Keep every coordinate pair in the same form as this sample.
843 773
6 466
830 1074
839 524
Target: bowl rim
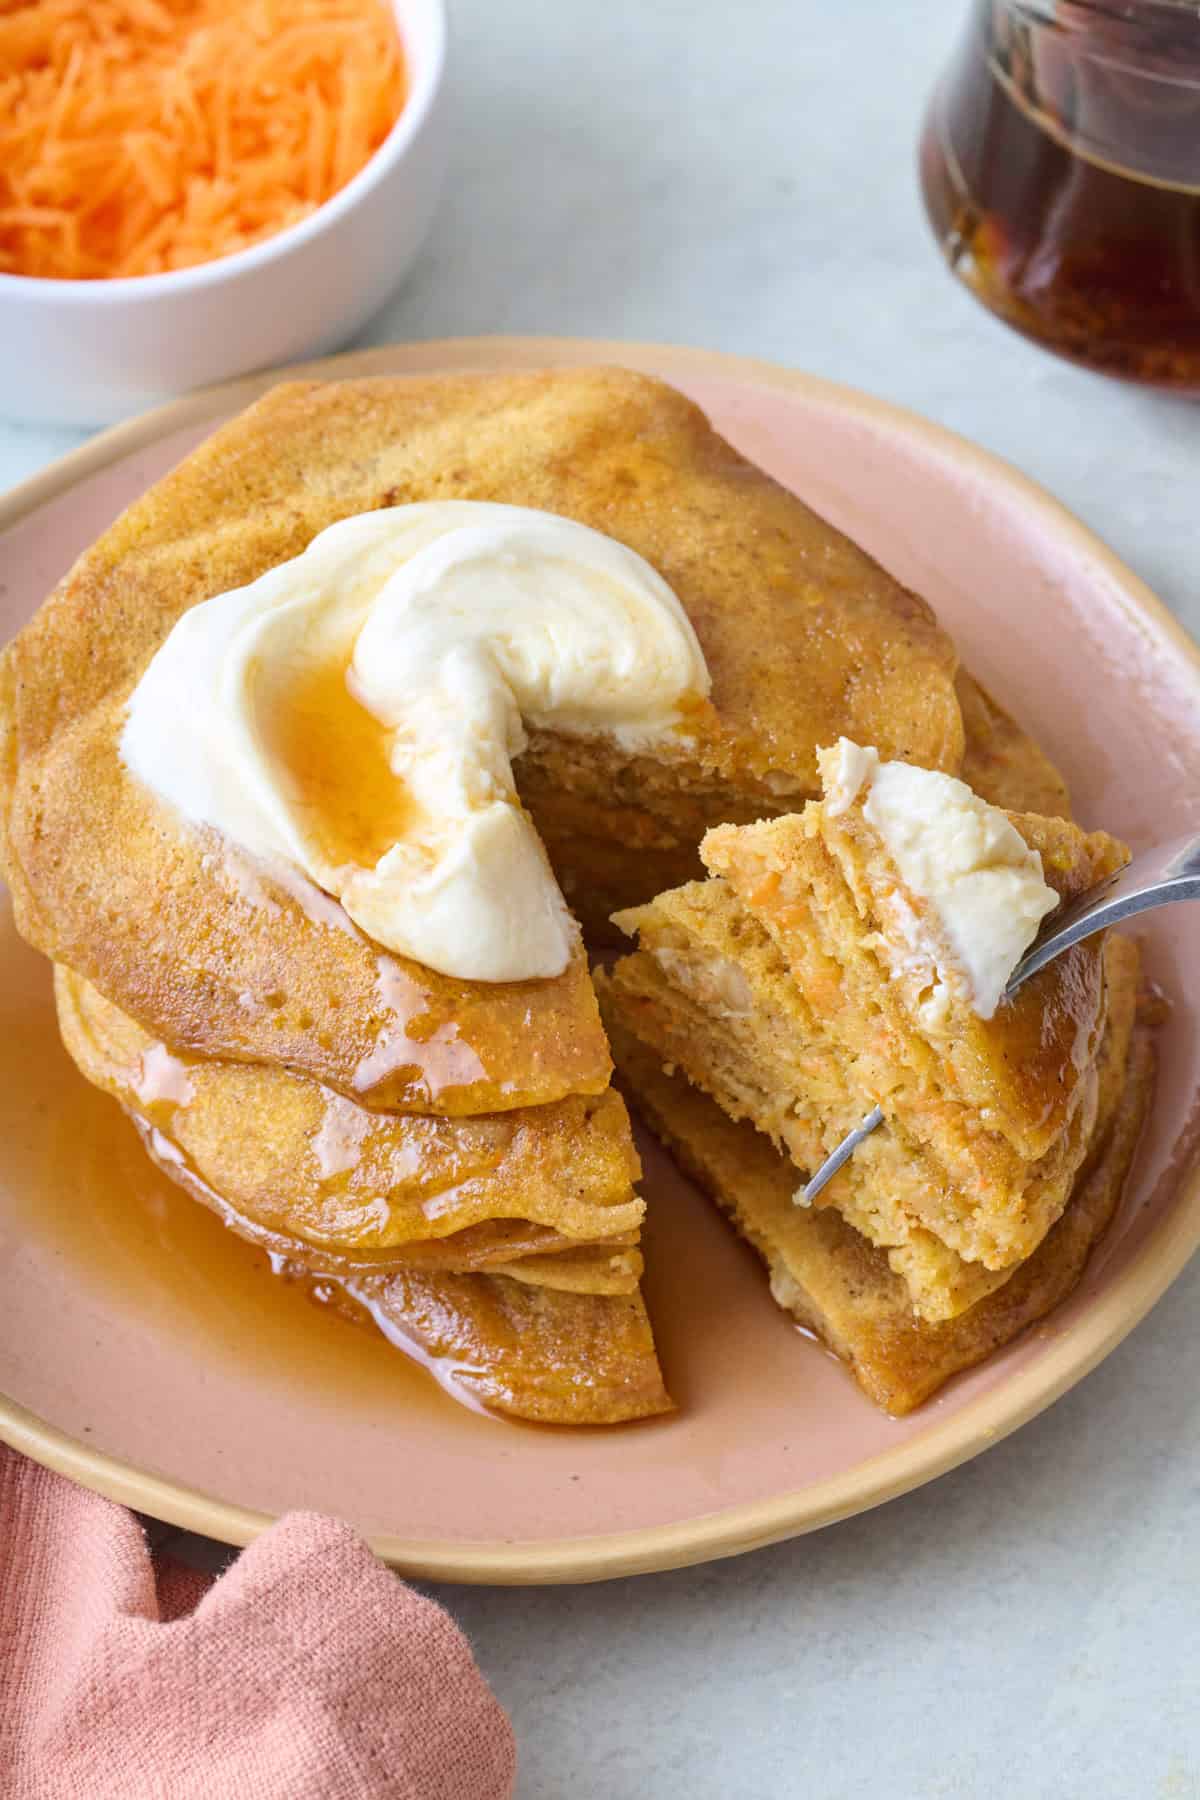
749 1525
414 114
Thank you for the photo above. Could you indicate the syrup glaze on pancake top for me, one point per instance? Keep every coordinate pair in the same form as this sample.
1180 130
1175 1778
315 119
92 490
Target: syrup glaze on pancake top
245 971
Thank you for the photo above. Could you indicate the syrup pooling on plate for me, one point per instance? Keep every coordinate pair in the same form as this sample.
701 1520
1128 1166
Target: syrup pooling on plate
139 1239
82 1195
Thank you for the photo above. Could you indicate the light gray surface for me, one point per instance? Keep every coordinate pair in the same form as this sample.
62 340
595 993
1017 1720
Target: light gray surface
741 176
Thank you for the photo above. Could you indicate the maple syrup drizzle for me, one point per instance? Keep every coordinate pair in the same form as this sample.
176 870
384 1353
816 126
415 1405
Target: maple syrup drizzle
335 758
441 1055
338 1143
445 1058
163 1079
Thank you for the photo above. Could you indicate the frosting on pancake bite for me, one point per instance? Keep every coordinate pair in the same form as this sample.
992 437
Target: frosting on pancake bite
982 887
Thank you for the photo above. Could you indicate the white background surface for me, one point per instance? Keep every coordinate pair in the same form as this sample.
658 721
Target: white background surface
741 176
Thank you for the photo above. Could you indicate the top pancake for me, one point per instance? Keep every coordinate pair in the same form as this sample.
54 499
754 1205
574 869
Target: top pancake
806 638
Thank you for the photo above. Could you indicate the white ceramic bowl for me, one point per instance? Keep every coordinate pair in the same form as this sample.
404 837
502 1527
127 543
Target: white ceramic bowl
88 352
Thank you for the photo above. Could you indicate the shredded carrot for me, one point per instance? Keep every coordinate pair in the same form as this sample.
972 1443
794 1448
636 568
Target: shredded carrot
138 136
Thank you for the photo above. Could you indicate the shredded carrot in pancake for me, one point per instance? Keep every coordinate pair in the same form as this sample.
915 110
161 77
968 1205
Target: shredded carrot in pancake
143 135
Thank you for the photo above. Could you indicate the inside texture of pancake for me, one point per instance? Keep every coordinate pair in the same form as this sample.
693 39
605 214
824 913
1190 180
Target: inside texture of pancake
999 1103
834 1281
614 830
784 987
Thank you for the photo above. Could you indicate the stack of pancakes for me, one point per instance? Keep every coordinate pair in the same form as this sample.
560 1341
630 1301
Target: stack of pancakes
450 1153
786 989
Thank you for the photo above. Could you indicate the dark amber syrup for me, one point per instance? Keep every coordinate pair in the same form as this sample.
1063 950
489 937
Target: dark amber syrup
1090 259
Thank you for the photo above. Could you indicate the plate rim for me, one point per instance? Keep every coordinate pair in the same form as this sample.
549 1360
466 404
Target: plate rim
750 1524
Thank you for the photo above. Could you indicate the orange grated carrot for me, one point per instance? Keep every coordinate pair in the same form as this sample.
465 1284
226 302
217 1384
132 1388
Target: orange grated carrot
138 136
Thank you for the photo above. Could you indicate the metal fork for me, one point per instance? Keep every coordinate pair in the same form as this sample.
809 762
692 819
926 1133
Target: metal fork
1157 877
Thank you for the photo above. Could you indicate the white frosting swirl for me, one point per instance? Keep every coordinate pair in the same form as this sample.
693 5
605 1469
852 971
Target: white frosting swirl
983 885
452 621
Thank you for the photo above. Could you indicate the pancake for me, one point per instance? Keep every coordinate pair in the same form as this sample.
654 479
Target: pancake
710 993
840 1286
767 986
611 1266
598 874
583 1269
106 880
523 1351
384 1189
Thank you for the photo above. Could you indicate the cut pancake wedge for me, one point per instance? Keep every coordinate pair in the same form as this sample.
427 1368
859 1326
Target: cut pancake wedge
284 1159
837 1284
516 1318
808 981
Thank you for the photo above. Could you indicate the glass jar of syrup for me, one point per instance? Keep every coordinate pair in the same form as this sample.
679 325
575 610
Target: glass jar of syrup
1060 163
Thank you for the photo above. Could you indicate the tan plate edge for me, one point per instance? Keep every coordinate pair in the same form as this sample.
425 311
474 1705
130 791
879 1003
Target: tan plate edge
987 1421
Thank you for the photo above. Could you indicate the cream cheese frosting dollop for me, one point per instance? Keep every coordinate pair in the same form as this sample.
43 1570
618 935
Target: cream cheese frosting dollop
964 858
355 712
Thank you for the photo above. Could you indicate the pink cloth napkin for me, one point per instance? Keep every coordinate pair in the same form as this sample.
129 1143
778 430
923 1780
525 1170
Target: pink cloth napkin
307 1672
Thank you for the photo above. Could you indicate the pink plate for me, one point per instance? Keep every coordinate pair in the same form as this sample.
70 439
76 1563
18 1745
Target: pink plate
142 1352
